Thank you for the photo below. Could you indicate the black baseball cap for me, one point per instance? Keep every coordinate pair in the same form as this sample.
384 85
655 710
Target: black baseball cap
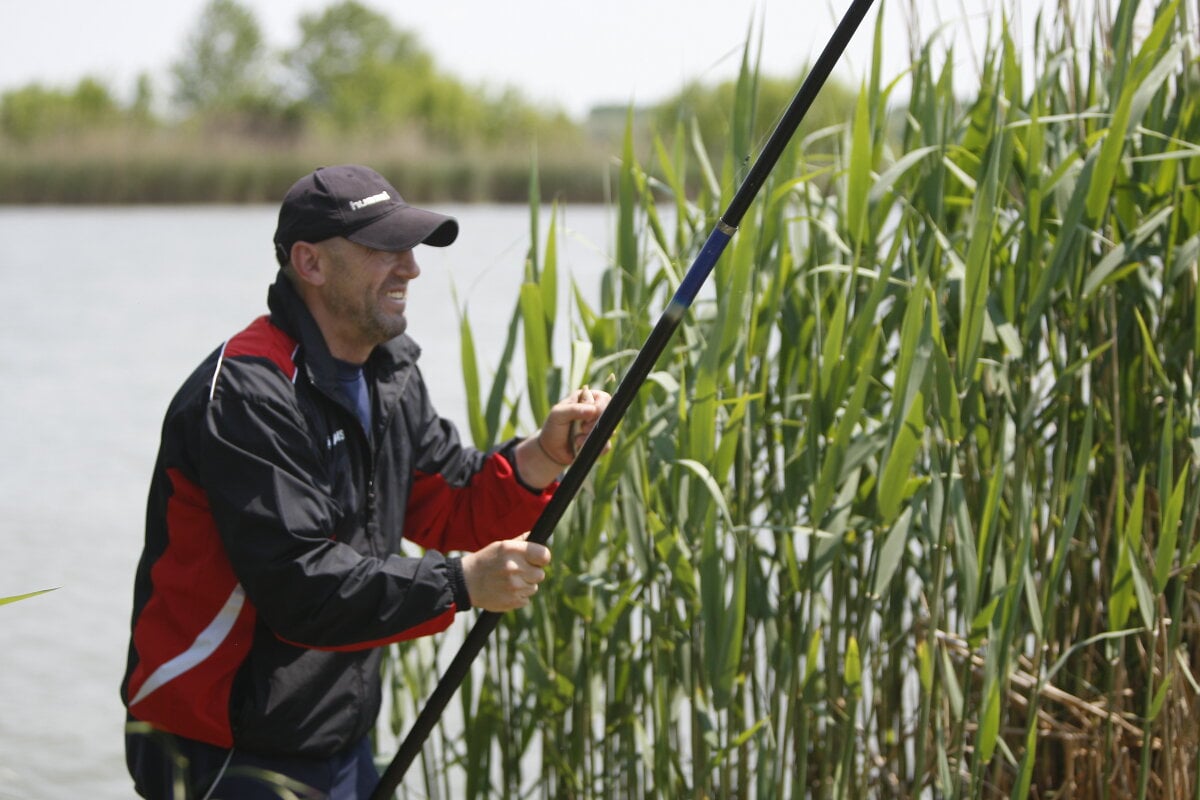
359 204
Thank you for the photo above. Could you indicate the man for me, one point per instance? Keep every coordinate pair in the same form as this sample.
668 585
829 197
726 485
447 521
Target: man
292 462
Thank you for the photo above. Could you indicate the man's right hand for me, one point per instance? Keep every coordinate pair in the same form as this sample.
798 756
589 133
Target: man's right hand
505 574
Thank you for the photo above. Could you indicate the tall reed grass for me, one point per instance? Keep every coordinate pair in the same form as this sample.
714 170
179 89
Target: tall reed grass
910 508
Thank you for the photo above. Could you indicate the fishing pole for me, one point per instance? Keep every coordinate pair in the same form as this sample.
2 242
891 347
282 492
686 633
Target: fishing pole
628 388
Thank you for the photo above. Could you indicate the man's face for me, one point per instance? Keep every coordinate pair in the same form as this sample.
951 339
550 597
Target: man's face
366 292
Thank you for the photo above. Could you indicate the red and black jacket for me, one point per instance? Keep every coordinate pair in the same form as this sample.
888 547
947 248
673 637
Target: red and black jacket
270 576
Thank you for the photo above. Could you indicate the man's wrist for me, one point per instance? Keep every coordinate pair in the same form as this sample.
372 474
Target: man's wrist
542 446
458 583
509 453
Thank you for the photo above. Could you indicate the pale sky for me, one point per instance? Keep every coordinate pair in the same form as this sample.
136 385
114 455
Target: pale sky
568 53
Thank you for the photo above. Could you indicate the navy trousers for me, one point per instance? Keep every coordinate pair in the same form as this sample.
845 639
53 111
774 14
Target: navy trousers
167 767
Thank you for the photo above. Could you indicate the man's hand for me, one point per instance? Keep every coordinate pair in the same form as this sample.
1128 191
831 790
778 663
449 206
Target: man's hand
505 574
541 457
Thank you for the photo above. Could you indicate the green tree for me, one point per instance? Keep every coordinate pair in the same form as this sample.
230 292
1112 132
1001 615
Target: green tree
358 69
35 112
223 65
142 108
362 74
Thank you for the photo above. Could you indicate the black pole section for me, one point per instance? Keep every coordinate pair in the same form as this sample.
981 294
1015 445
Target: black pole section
654 346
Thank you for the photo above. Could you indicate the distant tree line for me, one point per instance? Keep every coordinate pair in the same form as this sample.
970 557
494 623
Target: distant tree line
352 71
353 77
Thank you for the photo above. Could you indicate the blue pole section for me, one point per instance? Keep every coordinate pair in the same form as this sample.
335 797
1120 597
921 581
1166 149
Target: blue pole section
701 267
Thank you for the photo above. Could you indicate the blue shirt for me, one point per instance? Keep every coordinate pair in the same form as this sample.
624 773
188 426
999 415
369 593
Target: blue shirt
353 384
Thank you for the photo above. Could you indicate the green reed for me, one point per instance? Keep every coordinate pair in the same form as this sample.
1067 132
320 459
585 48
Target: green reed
910 506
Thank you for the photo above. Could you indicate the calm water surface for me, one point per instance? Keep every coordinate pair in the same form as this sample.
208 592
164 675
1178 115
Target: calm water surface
103 312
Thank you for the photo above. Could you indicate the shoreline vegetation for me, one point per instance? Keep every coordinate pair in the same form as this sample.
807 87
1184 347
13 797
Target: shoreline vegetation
193 174
911 507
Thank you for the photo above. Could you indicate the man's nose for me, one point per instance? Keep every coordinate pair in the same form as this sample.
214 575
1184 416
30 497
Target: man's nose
406 264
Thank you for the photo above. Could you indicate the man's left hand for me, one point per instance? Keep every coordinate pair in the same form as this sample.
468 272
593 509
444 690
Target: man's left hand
544 455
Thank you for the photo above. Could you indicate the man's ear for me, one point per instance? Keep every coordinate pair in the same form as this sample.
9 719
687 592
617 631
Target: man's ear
307 262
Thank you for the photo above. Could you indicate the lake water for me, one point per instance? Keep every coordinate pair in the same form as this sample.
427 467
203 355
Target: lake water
103 312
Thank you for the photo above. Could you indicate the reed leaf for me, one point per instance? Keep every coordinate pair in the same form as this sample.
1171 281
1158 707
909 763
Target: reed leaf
859 178
470 371
1123 598
537 349
894 484
1124 253
18 597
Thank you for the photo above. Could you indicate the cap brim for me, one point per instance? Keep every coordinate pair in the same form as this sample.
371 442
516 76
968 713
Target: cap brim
405 227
